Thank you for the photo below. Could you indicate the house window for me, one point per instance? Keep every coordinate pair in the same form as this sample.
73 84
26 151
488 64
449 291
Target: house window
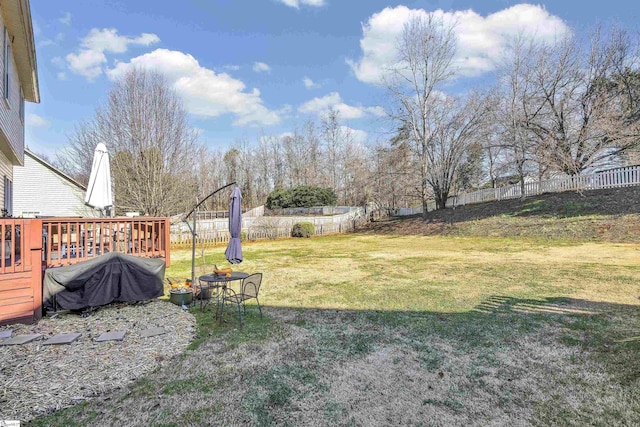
8 197
7 63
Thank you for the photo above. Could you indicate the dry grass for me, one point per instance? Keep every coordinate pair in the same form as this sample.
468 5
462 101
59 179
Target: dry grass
408 330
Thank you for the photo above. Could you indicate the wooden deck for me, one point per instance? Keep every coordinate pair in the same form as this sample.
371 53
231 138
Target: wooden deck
29 246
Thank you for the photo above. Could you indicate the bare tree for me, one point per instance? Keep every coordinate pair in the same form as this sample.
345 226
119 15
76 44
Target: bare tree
455 122
211 175
333 136
577 121
495 152
426 49
77 158
271 162
353 173
512 110
393 183
151 143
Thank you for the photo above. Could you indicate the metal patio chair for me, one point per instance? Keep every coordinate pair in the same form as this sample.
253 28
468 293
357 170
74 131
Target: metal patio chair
249 290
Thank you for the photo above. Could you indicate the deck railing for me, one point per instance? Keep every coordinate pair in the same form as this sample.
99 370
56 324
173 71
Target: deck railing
71 240
20 270
28 246
12 241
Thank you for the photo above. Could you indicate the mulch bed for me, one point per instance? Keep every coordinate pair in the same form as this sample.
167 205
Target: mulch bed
36 379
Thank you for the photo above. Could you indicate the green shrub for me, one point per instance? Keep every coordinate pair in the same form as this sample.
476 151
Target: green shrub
243 236
303 229
304 196
278 199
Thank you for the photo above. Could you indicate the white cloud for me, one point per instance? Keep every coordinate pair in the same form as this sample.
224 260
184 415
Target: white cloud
87 63
90 58
231 67
204 92
62 76
261 67
45 43
296 3
376 111
481 40
310 84
322 104
356 136
59 62
34 120
49 42
65 19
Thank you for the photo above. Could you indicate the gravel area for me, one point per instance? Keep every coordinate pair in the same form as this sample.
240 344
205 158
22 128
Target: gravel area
36 379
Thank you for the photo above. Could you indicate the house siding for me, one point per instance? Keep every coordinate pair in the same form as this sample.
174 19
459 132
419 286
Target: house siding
6 169
11 126
37 188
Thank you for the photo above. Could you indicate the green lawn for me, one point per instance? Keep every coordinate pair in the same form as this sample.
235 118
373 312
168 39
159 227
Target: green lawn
368 329
416 273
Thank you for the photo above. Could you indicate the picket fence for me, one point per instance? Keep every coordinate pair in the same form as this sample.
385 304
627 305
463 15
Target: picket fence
614 178
210 215
315 210
217 237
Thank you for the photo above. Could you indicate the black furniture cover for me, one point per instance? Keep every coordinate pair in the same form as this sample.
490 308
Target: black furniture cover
113 277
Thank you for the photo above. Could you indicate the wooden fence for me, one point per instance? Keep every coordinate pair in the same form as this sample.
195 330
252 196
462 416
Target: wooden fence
216 237
614 178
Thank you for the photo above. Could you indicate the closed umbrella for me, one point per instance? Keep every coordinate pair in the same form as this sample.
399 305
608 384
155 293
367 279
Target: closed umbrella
99 194
234 250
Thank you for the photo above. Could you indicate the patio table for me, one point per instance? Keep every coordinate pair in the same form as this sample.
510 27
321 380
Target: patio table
220 284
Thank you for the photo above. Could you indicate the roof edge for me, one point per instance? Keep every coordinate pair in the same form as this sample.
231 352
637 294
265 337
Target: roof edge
25 7
54 169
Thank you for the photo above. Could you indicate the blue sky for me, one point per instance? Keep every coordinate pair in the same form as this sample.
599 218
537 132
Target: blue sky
246 67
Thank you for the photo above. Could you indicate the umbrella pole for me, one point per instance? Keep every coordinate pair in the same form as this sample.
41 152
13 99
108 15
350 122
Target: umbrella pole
193 251
193 229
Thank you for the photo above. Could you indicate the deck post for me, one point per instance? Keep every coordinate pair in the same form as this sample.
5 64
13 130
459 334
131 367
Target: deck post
37 265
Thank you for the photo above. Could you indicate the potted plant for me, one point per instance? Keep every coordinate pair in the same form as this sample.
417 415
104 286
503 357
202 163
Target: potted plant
181 292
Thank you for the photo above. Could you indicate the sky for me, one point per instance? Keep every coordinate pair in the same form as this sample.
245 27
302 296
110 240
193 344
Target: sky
244 68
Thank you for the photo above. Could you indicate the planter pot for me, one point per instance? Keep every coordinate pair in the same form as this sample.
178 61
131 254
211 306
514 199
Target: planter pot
181 298
204 294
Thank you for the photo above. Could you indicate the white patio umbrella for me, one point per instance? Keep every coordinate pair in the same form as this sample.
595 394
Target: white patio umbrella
99 194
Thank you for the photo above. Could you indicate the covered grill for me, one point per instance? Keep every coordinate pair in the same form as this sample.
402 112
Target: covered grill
114 277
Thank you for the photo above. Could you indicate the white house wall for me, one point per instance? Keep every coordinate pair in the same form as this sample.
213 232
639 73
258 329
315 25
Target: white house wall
11 126
6 169
38 189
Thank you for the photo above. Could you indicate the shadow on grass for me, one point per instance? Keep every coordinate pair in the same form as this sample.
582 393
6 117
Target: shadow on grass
274 392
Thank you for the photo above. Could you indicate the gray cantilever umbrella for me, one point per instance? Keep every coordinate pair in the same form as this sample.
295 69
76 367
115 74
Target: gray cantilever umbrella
234 250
